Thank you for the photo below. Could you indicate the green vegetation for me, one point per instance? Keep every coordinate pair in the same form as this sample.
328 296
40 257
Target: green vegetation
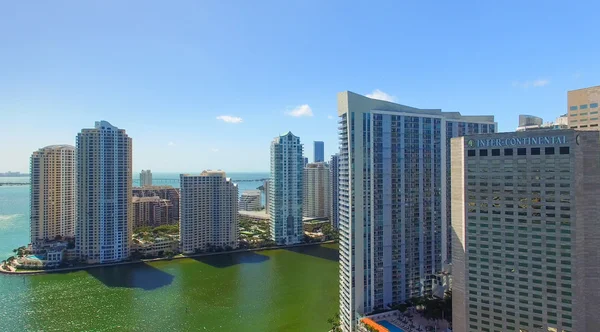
159 230
431 308
335 323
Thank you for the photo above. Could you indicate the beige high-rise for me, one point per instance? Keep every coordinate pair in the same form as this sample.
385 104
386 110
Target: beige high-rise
525 230
104 207
583 108
52 192
316 191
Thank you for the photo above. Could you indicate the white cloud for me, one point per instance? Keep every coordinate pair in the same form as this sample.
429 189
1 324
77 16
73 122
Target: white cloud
214 150
302 110
378 94
171 144
229 119
330 117
538 83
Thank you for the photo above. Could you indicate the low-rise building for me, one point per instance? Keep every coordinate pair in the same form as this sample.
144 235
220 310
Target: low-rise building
156 247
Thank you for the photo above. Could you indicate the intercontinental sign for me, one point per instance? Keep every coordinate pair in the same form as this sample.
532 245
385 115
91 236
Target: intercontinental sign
516 141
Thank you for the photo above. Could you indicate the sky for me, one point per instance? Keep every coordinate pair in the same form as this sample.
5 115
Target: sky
208 84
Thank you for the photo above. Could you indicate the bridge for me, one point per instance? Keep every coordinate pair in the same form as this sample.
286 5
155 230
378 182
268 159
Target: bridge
14 184
165 181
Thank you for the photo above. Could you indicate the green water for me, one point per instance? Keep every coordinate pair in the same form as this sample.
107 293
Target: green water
275 290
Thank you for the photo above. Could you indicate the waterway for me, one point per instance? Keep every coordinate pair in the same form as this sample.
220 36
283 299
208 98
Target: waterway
274 290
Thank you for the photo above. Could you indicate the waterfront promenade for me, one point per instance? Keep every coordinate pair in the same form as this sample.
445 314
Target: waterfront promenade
180 256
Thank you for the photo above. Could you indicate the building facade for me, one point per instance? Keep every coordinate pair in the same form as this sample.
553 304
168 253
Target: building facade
250 201
286 189
530 122
316 191
104 217
583 108
305 161
266 188
525 212
209 212
394 207
52 191
319 152
164 192
334 174
151 211
145 178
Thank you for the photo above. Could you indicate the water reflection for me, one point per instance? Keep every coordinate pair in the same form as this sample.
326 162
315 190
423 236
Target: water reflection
323 252
227 260
139 275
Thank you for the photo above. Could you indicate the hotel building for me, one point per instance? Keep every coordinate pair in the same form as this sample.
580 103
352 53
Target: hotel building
52 193
104 217
316 191
583 108
286 189
525 212
334 174
209 212
394 200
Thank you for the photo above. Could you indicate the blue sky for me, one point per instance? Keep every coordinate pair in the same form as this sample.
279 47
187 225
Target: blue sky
165 71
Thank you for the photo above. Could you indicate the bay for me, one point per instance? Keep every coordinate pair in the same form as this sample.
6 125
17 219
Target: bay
275 290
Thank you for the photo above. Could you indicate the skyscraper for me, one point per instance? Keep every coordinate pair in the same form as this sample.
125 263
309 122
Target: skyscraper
266 188
104 218
286 189
146 178
525 212
319 152
316 191
166 193
305 161
334 174
583 108
393 200
209 212
52 192
250 201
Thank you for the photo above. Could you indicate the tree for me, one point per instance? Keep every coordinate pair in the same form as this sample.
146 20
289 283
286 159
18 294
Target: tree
335 323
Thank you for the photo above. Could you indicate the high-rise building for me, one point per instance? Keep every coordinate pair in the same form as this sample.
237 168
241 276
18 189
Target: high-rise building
319 152
583 108
209 212
146 178
151 211
316 191
164 192
266 188
286 189
525 212
305 161
334 174
394 201
250 201
530 122
104 217
52 192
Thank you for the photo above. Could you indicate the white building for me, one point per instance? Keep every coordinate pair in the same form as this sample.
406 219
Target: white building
316 191
334 174
52 208
266 188
104 218
145 178
286 190
209 212
250 201
530 122
394 205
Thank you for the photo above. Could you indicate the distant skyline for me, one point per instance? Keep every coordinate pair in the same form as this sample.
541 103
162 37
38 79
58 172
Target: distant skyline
208 85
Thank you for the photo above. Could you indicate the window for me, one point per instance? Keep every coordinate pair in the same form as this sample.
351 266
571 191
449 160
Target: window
483 153
573 108
521 151
549 150
535 151
593 105
495 152
583 107
564 150
508 152
471 153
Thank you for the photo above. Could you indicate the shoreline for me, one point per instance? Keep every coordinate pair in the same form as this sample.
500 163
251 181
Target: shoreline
149 260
